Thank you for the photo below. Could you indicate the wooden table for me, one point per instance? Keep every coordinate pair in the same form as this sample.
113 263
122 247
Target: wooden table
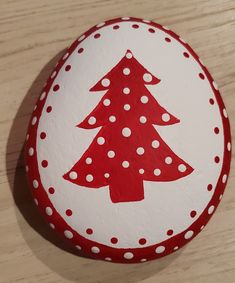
33 36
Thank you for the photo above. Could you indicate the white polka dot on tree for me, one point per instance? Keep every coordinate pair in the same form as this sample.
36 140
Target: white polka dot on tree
182 168
73 175
126 90
165 117
168 160
127 107
100 140
125 164
143 119
126 71
105 82
89 178
157 172
88 160
112 118
144 99
129 55
92 120
126 132
147 77
140 150
155 143
111 154
106 102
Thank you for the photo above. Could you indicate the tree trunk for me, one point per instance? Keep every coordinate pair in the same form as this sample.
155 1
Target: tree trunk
126 188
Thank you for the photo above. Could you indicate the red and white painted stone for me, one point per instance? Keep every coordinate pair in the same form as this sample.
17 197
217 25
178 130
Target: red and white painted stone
128 150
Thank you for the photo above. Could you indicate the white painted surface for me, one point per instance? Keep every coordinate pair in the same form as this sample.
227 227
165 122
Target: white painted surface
181 91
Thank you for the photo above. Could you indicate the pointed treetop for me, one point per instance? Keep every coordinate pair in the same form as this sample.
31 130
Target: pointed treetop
129 69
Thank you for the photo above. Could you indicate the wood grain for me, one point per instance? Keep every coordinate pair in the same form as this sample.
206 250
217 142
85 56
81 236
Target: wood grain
33 34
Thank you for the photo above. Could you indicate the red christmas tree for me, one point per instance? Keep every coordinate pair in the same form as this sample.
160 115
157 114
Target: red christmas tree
127 150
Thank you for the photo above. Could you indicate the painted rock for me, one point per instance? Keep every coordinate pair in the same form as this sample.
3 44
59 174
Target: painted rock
128 150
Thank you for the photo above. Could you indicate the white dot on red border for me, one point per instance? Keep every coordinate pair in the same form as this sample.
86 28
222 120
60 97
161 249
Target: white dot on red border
128 255
81 37
78 247
31 151
224 179
225 113
68 234
211 209
215 85
49 211
53 75
166 27
95 250
105 82
35 184
160 249
66 55
108 259
52 226
188 234
43 95
100 25
229 146
141 171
